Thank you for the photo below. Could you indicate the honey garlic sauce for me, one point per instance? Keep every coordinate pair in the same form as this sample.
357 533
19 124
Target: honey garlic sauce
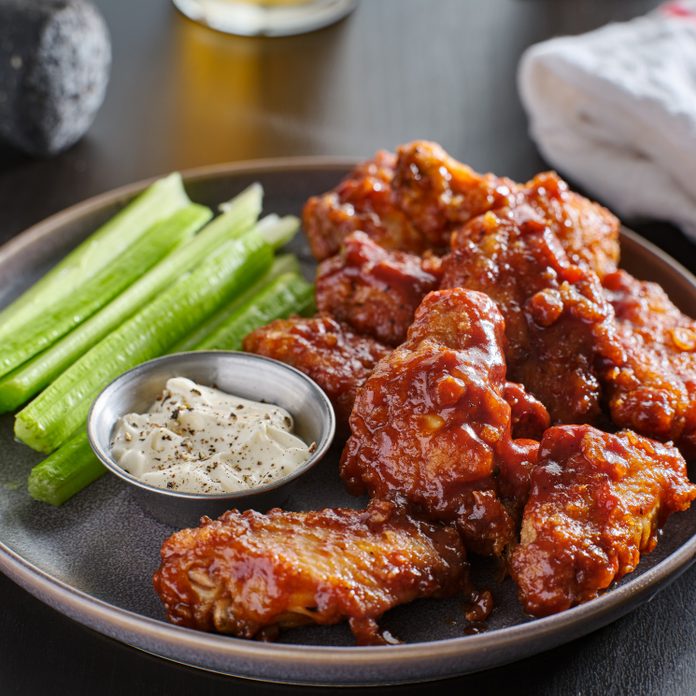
198 439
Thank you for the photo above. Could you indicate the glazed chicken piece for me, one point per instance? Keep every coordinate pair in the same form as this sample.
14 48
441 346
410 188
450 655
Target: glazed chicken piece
596 503
529 417
373 289
557 319
365 201
251 575
409 201
589 233
653 388
414 200
438 194
334 356
431 427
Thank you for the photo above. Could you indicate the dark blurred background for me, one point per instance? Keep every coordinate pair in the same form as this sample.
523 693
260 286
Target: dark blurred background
182 95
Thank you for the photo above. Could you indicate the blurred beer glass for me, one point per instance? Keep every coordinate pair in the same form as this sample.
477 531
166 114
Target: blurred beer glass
265 17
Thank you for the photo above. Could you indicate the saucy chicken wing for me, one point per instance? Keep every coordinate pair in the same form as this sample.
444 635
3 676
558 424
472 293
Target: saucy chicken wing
431 427
373 289
334 356
364 200
414 200
438 194
529 416
596 503
409 201
589 233
557 319
652 388
251 575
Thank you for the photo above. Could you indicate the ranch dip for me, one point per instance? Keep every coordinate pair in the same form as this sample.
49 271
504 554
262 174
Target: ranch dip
201 440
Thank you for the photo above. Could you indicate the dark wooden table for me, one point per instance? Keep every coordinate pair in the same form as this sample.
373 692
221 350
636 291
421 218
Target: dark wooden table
182 96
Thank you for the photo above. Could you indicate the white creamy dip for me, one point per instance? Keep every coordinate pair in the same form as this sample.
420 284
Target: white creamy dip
201 440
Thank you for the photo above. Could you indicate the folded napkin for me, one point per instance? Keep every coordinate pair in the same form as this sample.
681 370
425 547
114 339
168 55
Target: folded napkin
615 110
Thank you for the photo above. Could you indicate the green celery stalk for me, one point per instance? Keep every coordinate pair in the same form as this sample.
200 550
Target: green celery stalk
66 472
52 417
282 229
285 263
68 312
28 380
288 294
238 215
159 200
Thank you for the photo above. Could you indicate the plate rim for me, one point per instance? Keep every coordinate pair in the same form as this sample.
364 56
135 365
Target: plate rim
99 614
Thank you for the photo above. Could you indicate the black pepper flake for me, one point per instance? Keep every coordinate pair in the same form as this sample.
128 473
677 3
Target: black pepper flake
175 413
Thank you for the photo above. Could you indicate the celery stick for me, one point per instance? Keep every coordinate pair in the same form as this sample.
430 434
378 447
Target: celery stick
158 201
50 419
287 294
239 214
281 229
66 472
68 312
19 386
286 263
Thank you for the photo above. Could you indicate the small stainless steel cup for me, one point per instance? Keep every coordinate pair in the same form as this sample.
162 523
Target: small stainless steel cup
242 374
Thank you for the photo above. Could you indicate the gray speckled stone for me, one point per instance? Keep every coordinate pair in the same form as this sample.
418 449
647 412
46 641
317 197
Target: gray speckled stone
54 67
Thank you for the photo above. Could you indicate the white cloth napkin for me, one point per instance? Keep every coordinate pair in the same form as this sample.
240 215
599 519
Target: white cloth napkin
615 110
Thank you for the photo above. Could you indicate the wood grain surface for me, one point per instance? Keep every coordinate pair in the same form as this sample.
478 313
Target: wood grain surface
182 96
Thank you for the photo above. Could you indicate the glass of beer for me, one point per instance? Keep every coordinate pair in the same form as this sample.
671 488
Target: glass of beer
265 17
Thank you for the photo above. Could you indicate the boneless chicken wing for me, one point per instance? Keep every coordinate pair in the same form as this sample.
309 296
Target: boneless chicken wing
438 194
431 427
251 574
364 200
373 289
596 503
529 416
334 356
557 319
588 233
410 201
651 387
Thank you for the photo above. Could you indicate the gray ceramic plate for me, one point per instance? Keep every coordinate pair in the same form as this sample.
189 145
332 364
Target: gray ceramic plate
93 558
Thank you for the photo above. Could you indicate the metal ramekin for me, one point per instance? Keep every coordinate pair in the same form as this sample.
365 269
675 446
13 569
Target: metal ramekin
242 374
